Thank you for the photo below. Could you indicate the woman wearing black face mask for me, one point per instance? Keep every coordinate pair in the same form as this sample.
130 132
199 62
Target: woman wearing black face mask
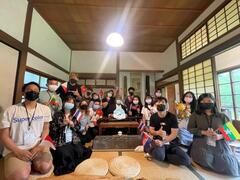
209 149
129 99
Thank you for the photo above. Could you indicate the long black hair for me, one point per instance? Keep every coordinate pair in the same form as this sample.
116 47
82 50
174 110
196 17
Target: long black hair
206 95
146 104
139 99
72 111
193 104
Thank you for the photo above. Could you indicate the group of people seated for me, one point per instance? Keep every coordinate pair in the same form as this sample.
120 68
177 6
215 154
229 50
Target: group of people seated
69 114
195 127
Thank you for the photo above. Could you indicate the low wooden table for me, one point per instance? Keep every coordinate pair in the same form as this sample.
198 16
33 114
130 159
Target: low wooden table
116 143
118 124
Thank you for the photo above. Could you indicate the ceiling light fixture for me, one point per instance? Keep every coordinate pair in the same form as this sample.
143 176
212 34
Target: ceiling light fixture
115 39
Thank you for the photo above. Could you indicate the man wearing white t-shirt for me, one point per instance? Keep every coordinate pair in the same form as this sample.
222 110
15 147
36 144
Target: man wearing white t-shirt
22 128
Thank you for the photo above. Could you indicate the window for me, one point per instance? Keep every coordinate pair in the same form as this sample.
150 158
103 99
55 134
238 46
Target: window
199 78
41 80
195 42
224 20
229 92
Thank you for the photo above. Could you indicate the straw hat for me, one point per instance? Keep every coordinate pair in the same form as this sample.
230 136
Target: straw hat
125 166
94 166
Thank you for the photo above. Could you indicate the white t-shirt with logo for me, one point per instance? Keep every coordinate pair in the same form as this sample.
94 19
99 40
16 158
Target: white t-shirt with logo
16 118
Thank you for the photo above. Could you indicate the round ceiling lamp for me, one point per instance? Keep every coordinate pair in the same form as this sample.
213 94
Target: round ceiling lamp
115 40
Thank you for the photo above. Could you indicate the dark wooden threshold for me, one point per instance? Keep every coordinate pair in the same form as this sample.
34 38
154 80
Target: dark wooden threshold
40 73
10 41
105 76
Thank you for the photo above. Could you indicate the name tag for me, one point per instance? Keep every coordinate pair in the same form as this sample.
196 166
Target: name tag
29 137
211 141
68 135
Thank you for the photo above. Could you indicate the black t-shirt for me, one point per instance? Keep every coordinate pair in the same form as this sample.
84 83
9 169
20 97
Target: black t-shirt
105 111
168 122
69 92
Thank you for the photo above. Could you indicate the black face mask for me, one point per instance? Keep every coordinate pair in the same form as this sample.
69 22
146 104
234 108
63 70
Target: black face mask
206 106
84 107
161 107
131 93
31 95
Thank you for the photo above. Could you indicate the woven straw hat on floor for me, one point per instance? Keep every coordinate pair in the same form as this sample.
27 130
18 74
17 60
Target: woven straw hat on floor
124 166
93 166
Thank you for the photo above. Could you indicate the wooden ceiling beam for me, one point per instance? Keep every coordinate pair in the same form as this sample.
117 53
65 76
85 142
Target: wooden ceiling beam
167 26
184 10
125 49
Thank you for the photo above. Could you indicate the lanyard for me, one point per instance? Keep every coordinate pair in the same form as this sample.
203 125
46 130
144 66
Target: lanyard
50 96
209 120
30 121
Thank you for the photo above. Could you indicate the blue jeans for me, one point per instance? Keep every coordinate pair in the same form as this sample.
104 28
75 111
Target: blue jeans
170 153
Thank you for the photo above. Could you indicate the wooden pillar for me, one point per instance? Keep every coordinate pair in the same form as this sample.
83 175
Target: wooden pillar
23 56
180 77
117 69
215 82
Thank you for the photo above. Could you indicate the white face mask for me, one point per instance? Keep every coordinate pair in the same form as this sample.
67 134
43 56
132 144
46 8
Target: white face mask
148 101
96 107
52 88
135 102
158 94
118 101
188 99
95 97
109 94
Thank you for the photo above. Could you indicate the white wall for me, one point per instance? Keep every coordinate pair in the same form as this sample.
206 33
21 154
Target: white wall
140 61
12 17
170 58
38 64
228 59
8 69
45 41
93 62
149 61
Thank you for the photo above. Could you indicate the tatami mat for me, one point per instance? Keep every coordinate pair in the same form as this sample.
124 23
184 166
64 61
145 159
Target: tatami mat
155 170
210 175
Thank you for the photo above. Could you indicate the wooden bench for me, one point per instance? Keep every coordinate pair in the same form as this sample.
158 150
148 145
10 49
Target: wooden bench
118 124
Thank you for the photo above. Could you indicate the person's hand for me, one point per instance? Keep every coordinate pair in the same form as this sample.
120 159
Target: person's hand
71 124
67 119
161 132
130 113
218 137
47 103
36 150
158 142
23 154
208 133
86 127
76 93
